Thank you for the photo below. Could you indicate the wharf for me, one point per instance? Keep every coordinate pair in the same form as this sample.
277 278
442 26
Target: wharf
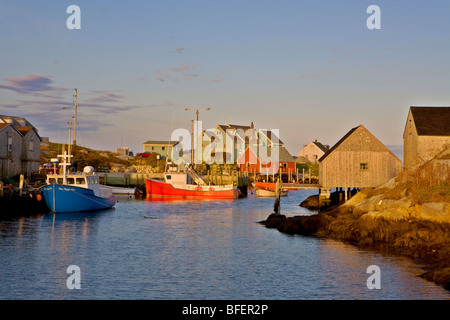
127 179
14 201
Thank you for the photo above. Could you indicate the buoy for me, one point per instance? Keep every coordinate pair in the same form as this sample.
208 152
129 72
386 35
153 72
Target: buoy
38 197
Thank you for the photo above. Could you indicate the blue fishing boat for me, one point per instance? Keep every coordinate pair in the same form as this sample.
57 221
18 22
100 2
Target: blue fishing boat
66 192
73 192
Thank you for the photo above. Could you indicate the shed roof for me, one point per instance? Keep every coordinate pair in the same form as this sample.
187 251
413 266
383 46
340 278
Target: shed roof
431 121
161 143
283 154
380 144
226 127
4 125
320 146
338 143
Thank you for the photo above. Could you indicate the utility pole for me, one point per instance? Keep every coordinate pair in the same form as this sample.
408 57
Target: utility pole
75 122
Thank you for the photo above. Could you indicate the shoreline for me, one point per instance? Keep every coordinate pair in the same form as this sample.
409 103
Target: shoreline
425 241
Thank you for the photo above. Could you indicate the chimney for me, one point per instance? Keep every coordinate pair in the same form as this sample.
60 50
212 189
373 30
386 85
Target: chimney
251 125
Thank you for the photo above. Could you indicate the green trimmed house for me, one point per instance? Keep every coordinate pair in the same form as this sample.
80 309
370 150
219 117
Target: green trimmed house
163 148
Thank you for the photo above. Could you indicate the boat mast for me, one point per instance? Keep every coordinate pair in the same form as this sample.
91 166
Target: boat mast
68 145
66 158
75 122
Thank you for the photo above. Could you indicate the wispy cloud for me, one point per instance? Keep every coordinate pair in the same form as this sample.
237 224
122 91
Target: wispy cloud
177 73
28 84
49 107
102 96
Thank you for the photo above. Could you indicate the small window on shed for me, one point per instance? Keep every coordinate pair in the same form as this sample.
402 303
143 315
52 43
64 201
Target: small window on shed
364 166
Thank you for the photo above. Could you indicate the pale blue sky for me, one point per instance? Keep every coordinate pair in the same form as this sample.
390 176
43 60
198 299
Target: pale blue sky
311 69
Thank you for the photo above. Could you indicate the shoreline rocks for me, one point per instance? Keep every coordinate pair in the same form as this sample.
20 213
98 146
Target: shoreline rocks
420 232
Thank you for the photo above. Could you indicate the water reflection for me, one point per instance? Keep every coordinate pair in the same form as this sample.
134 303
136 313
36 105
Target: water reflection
191 250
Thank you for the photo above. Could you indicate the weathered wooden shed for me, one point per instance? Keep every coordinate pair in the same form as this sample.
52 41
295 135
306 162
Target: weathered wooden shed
427 131
19 147
358 160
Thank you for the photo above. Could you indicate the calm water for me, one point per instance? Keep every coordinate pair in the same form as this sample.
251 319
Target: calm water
191 250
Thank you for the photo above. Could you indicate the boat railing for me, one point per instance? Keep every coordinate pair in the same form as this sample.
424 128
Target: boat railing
194 176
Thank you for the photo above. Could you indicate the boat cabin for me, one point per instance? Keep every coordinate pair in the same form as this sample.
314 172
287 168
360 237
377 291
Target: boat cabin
178 178
86 180
79 180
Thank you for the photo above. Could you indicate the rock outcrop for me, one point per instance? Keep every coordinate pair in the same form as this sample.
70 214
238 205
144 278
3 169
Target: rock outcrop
409 215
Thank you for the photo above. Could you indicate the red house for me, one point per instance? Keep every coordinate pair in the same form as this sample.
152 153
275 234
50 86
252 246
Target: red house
254 161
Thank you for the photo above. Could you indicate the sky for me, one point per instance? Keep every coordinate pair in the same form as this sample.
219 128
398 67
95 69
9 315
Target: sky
312 69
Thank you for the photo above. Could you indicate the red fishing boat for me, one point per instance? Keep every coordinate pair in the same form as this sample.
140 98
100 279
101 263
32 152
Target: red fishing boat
188 185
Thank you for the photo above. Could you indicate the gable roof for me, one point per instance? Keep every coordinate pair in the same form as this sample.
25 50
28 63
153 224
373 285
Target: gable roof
283 154
162 143
338 143
347 136
237 130
320 146
226 127
317 144
271 136
4 125
431 121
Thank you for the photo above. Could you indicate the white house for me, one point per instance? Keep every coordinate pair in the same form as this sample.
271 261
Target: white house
313 151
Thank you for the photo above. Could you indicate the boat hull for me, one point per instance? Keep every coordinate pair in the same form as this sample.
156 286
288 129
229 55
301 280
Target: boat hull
265 193
61 198
160 189
273 185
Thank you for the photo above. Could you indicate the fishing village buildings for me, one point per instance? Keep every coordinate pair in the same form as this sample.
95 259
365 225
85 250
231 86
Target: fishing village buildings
162 148
312 152
427 131
19 147
357 160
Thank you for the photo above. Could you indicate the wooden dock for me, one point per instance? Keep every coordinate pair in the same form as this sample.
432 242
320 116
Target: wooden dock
126 179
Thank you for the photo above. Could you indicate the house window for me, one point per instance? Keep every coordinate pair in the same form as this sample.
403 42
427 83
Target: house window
10 144
31 145
248 164
163 148
364 166
153 148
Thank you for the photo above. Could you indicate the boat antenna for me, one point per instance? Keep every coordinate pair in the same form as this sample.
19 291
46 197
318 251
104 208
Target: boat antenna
75 117
68 145
170 140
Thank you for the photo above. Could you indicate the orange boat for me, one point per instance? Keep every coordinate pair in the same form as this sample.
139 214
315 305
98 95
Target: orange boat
188 185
